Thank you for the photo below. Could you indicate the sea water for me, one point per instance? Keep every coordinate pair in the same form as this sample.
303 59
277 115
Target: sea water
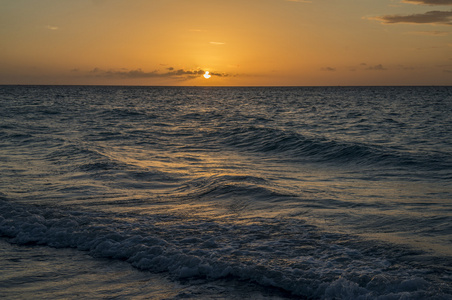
225 193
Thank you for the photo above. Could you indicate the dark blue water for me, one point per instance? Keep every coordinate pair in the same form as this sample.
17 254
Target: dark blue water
323 192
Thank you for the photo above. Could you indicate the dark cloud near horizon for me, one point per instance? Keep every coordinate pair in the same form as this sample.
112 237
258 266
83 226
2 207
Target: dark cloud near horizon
139 73
378 67
429 2
330 69
219 74
431 17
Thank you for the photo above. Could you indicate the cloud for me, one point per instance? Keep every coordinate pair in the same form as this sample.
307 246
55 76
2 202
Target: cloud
330 69
50 27
428 48
96 70
139 73
299 1
217 43
429 2
368 67
219 74
431 17
432 33
378 67
406 68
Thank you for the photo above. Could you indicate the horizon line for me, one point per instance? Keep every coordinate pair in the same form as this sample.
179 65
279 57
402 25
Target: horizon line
219 86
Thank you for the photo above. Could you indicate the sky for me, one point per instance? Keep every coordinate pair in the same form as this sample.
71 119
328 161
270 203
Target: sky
239 42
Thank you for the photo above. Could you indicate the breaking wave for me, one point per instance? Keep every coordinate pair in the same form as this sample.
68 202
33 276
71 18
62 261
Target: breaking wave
285 254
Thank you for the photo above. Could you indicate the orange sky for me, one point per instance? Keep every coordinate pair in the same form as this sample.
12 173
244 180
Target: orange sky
240 42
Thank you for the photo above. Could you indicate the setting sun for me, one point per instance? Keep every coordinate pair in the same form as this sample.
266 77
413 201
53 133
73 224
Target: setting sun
207 75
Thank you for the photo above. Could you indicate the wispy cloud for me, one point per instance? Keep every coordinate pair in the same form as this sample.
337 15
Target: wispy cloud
432 33
330 69
429 2
428 48
406 68
378 67
50 27
217 43
431 17
368 67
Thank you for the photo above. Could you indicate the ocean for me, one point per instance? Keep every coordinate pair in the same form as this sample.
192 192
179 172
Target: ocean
225 192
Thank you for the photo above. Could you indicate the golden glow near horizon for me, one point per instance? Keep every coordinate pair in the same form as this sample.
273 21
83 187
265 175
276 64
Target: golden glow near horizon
241 42
206 75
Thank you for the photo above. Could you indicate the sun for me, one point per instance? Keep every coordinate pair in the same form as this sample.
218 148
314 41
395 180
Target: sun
207 75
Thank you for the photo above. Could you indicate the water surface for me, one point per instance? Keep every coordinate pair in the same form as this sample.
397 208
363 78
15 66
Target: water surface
313 192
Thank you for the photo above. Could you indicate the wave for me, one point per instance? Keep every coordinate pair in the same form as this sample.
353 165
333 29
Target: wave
94 163
81 158
293 145
285 254
245 188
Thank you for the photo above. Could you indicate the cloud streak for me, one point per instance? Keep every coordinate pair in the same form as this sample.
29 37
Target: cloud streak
431 17
139 73
50 27
431 33
378 67
429 2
